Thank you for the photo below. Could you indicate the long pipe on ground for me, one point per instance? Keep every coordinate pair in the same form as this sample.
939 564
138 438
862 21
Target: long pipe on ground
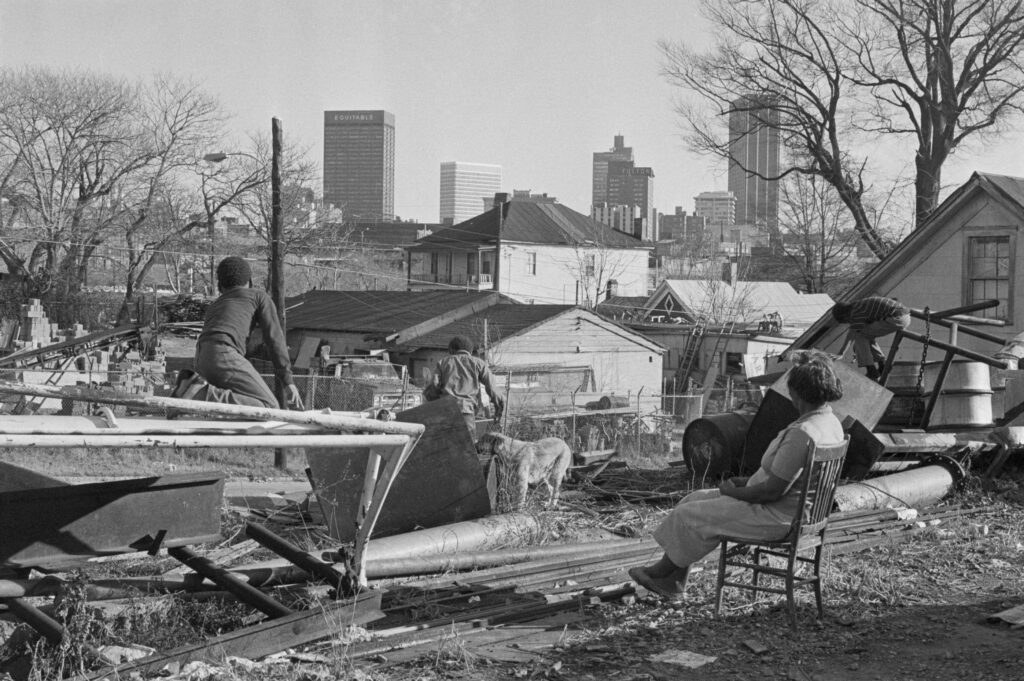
914 488
276 573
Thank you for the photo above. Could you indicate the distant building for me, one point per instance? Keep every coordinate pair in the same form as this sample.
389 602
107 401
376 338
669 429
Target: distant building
719 208
463 186
359 163
619 186
754 146
532 251
679 226
618 153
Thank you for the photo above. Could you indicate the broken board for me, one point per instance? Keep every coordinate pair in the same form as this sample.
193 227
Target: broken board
441 483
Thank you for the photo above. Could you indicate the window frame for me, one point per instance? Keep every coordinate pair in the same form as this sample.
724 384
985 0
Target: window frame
1010 234
531 263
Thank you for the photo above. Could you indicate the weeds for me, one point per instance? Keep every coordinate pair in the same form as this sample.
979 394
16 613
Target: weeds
453 654
162 623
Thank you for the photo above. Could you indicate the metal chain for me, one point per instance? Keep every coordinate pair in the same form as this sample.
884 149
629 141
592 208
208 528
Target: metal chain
920 369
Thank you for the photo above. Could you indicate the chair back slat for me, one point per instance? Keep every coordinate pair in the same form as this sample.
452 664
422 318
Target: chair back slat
819 485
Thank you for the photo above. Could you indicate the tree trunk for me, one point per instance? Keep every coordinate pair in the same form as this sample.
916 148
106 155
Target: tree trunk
927 185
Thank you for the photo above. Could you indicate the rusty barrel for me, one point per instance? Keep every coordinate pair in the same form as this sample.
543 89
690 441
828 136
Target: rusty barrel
713 445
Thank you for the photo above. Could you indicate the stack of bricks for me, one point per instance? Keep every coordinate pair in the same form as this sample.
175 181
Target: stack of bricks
36 329
133 374
76 331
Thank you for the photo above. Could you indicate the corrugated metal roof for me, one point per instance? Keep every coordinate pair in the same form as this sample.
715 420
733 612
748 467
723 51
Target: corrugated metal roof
373 311
535 223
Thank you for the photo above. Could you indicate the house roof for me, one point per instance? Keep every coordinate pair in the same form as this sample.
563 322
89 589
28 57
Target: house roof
1007 190
503 321
743 301
621 307
380 312
507 320
530 222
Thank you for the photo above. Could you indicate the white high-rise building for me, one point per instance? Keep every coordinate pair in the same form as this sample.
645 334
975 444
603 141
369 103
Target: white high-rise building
463 185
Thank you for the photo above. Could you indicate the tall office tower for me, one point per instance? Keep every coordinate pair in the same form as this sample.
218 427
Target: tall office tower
620 186
359 164
719 208
463 185
619 152
754 146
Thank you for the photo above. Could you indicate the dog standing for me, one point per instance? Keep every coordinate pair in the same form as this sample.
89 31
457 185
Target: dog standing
529 463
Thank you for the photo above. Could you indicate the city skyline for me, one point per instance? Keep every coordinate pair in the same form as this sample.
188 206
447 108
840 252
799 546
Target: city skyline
538 104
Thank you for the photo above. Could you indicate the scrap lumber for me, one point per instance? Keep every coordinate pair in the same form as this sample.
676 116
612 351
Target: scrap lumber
259 640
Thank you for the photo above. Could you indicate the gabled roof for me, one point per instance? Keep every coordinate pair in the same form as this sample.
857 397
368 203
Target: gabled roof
1004 189
376 312
531 223
621 307
503 321
744 301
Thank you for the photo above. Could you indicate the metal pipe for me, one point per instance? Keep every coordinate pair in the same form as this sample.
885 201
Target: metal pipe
229 582
342 583
192 441
963 352
328 421
917 487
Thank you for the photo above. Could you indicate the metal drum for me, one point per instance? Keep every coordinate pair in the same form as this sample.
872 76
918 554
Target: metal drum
966 398
713 445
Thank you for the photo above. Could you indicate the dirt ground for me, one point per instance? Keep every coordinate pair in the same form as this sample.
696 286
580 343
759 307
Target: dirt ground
914 611
917 610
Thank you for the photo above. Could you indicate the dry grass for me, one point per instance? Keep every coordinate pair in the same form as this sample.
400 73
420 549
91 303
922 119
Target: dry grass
71 463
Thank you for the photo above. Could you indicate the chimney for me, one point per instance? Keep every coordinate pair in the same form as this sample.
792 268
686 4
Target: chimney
613 288
500 199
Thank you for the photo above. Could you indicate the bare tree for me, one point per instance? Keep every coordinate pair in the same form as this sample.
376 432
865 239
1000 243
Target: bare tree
86 159
941 71
775 61
815 237
826 76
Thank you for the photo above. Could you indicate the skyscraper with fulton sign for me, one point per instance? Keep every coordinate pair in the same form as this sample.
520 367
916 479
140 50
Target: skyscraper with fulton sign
359 164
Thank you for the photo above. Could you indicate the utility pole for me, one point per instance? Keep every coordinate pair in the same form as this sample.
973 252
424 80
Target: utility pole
277 256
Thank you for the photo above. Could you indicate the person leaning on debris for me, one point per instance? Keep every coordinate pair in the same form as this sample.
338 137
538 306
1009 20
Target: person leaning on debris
759 507
222 373
461 375
870 319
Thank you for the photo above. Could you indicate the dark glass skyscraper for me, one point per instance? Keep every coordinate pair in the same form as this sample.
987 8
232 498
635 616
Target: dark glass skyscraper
754 148
359 164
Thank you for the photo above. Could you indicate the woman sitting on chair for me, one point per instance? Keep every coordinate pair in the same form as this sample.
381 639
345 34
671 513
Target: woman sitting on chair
762 506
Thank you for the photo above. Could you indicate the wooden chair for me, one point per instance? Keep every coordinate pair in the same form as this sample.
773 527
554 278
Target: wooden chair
807 532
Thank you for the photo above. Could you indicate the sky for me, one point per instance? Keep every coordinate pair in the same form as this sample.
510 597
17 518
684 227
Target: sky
535 86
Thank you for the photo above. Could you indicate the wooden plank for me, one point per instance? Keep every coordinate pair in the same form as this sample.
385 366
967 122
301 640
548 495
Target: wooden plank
262 639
